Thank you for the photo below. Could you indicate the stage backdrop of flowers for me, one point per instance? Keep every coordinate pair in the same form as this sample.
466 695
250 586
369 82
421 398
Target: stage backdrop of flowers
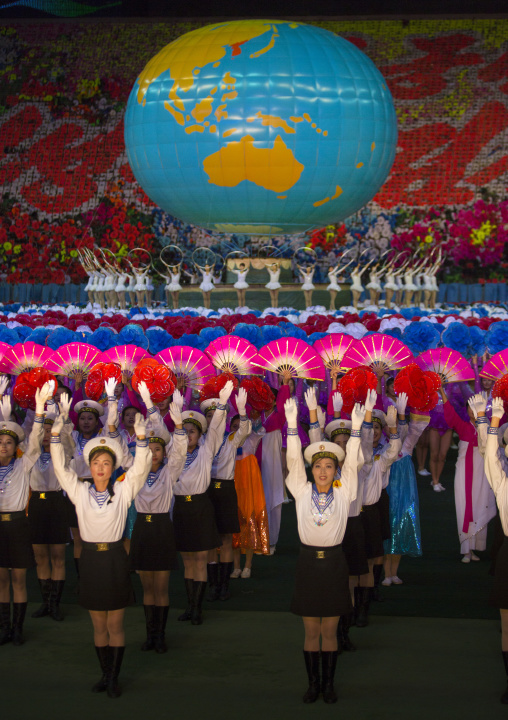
65 181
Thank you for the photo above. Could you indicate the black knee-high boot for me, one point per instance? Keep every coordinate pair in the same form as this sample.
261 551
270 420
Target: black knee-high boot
376 592
45 588
328 665
5 623
189 588
76 565
161 618
55 596
116 654
225 571
504 696
345 623
18 618
149 643
197 602
312 666
104 661
212 571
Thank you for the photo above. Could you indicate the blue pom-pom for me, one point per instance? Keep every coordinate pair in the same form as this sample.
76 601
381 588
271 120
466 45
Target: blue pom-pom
158 340
477 340
293 331
395 332
496 339
103 339
210 334
60 336
271 332
39 335
132 335
8 336
313 337
456 337
249 332
24 333
420 336
192 341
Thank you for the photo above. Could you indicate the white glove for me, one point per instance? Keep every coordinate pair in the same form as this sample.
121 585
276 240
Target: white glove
401 403
6 407
65 406
321 417
42 395
370 400
477 403
291 412
338 402
145 395
241 401
109 387
57 426
4 384
178 399
175 413
391 416
140 425
112 413
497 407
357 416
225 393
311 399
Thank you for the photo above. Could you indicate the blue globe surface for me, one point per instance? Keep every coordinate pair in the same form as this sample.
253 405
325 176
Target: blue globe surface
260 127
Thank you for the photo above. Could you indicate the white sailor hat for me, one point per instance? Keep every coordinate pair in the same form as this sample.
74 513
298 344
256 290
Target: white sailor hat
379 416
12 429
323 449
160 435
338 427
210 404
105 444
50 417
196 418
89 406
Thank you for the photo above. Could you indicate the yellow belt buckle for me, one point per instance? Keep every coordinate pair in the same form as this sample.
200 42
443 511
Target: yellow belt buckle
217 485
188 498
320 554
148 518
5 517
42 496
101 547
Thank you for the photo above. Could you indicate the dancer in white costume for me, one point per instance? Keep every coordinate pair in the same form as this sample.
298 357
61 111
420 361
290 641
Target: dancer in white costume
121 289
357 287
306 275
131 288
173 285
409 286
274 285
207 285
241 285
374 286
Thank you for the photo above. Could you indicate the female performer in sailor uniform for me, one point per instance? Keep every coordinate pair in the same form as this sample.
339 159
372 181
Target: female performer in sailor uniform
222 493
48 519
321 589
105 584
16 554
498 480
193 514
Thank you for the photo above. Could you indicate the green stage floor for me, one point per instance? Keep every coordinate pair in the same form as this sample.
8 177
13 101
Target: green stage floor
432 649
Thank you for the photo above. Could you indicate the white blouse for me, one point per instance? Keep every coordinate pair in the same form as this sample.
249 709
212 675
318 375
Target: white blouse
14 484
156 497
498 480
106 523
382 460
42 474
223 465
332 531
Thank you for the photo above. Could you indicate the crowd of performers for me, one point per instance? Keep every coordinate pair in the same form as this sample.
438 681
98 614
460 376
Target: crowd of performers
406 283
137 483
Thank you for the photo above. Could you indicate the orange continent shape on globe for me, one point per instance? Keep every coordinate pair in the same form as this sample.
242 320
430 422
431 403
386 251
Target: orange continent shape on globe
274 168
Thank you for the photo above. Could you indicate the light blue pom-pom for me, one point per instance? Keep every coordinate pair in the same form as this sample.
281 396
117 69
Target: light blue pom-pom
133 335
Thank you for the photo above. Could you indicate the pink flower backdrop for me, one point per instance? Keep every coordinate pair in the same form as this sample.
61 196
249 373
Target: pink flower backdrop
65 181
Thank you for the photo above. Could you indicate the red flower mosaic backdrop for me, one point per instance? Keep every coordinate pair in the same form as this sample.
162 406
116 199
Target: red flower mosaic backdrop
64 177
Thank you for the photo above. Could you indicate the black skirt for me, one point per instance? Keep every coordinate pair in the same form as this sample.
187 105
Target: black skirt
104 577
354 548
224 499
194 523
153 543
321 583
371 519
47 516
72 518
15 545
499 593
383 505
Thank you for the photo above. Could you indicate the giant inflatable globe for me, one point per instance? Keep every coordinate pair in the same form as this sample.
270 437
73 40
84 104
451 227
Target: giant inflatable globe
260 127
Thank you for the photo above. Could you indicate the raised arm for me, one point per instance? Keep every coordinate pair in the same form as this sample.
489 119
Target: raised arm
349 472
215 433
394 447
493 468
478 405
296 479
136 476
